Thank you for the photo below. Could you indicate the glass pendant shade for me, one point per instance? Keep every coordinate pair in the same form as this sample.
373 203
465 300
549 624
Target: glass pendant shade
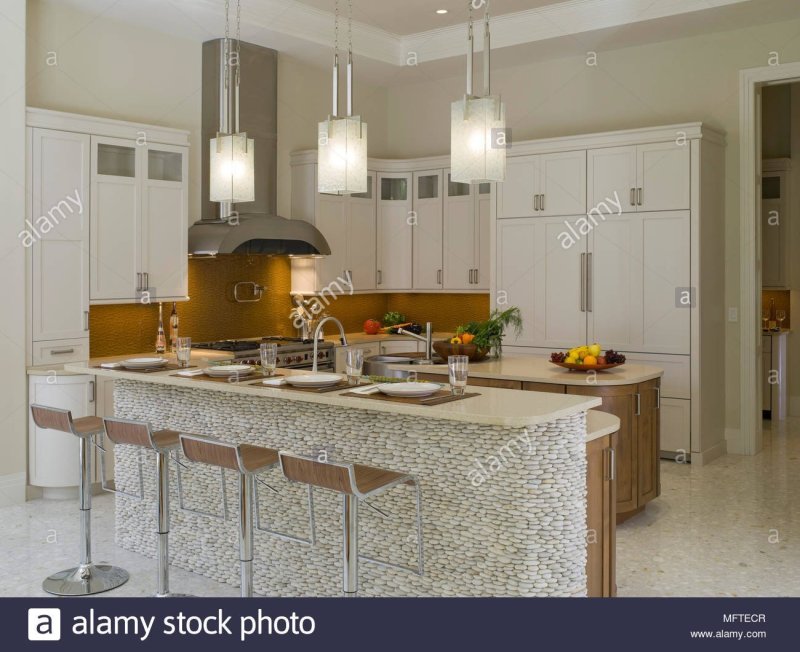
232 164
477 139
342 156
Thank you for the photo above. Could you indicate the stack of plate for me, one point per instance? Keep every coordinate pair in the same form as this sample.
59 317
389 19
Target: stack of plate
409 390
314 380
140 364
229 370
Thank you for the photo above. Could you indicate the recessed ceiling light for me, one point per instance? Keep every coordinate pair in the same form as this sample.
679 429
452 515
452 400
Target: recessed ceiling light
441 11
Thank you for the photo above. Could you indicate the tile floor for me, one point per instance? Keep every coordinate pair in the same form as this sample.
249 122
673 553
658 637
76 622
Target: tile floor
731 528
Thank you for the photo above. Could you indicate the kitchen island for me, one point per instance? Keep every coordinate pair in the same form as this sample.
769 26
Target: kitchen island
631 392
503 478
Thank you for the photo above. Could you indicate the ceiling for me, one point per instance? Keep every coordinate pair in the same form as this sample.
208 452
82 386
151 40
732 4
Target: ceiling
405 17
387 32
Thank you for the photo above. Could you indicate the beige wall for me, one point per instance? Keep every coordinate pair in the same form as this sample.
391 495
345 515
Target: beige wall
693 79
776 121
117 70
13 393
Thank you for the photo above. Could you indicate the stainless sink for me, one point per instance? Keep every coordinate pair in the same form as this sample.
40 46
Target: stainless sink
380 365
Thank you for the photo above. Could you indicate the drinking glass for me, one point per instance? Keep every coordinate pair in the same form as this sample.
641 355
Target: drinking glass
269 358
183 351
780 315
764 319
458 366
354 365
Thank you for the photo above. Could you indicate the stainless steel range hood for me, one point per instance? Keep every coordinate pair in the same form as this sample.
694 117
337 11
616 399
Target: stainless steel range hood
255 227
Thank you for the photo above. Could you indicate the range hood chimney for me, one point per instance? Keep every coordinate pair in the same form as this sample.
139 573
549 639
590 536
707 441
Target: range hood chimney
255 227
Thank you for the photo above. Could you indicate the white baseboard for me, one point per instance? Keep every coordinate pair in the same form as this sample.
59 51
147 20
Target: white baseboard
12 489
710 454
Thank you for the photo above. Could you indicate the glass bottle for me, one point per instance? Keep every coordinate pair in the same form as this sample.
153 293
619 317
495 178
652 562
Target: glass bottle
161 339
173 328
772 319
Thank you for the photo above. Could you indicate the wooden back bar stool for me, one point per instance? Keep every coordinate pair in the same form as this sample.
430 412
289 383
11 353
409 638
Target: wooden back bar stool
87 578
247 460
355 482
163 442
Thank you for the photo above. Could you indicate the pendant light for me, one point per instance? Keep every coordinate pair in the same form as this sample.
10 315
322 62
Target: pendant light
478 122
232 153
342 152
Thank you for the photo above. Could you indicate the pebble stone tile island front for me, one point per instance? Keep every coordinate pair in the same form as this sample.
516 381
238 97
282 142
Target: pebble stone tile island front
502 474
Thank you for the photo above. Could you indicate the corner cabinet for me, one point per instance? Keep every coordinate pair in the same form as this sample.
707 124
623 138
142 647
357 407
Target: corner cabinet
638 267
414 230
140 221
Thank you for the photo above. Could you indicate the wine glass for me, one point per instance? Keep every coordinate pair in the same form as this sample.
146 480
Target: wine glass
780 315
765 319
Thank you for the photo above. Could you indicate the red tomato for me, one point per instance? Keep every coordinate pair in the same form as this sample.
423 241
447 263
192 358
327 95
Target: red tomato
372 326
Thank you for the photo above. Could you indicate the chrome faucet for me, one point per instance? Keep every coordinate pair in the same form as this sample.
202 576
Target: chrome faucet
318 330
428 339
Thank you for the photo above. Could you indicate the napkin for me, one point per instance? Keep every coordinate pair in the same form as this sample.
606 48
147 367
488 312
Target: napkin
111 365
274 382
190 372
372 389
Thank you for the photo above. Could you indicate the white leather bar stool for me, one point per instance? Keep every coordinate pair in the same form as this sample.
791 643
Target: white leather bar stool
87 578
355 482
163 442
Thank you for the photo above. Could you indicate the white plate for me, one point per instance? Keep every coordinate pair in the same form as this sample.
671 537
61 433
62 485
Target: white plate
314 380
144 363
410 390
225 370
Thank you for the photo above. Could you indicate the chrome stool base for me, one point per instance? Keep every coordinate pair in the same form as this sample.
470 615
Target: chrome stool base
86 580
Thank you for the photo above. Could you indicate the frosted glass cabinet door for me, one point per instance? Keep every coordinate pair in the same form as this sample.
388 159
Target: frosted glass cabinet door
459 236
60 171
362 236
115 219
395 234
428 230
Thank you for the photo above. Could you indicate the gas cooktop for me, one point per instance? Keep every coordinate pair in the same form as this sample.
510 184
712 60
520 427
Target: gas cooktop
293 352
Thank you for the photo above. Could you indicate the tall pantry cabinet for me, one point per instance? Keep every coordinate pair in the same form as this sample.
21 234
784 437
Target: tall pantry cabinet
639 269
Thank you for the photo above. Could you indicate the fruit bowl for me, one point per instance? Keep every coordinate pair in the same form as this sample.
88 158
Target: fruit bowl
587 367
474 353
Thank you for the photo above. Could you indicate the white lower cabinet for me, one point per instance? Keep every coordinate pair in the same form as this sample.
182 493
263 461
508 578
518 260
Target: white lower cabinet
400 346
676 426
341 359
53 455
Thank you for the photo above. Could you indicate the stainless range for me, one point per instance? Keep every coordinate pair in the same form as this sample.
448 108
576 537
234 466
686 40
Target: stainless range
293 353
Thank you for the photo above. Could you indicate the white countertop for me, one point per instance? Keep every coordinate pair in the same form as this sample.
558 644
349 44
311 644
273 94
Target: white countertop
501 407
599 424
537 369
363 338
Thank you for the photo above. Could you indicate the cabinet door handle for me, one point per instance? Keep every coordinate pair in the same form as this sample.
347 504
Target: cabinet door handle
582 302
86 320
476 276
380 277
638 404
62 351
470 277
658 398
536 202
93 395
541 202
138 281
612 464
589 281
639 196
633 196
438 277
146 281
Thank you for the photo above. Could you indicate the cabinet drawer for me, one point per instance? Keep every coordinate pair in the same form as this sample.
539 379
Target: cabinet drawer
60 351
676 381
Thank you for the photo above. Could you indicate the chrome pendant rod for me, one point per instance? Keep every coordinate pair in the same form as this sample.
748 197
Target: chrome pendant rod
335 104
487 55
470 51
350 83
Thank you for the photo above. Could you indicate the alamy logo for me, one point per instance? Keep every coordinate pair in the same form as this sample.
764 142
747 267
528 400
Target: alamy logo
44 624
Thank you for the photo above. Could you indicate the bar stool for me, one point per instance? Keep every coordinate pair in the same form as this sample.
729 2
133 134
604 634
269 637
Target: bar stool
163 442
355 482
88 578
248 461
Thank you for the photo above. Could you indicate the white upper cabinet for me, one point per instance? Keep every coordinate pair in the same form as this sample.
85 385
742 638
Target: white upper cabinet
664 172
649 177
140 221
774 219
428 230
612 176
59 225
165 221
544 185
332 222
467 217
395 232
483 221
361 237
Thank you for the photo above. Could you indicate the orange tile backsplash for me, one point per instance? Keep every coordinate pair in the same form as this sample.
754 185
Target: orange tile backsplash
782 302
212 314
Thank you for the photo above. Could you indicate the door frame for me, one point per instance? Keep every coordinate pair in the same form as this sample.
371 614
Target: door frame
751 80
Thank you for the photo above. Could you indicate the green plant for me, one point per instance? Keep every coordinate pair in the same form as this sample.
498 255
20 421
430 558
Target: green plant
489 334
392 318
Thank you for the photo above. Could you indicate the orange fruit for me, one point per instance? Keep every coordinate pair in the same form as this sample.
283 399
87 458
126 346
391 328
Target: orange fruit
590 360
466 338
